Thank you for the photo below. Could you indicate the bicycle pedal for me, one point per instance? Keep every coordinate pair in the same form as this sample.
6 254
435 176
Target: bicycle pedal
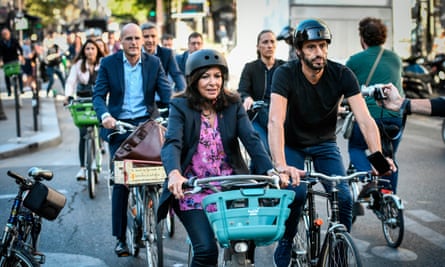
39 257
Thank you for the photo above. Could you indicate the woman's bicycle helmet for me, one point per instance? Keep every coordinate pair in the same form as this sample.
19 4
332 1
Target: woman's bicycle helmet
310 30
205 58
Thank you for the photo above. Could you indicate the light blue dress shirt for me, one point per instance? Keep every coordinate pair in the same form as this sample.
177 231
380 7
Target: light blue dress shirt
134 105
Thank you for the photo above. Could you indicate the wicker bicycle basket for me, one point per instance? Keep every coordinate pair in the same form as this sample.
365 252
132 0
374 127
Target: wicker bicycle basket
83 114
12 68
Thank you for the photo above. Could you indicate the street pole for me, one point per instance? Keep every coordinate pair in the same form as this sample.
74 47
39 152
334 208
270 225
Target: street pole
2 112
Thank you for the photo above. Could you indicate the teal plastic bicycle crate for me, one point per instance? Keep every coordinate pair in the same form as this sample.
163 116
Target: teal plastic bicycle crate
255 214
12 68
83 114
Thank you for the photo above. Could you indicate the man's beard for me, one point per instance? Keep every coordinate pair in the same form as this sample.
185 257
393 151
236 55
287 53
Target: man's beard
316 67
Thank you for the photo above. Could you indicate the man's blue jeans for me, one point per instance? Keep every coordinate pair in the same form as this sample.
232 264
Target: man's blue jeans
327 159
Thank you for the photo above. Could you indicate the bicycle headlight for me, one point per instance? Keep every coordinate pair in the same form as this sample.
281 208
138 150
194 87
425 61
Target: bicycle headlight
240 247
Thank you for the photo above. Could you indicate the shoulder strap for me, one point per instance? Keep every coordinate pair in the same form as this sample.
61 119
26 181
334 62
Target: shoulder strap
376 62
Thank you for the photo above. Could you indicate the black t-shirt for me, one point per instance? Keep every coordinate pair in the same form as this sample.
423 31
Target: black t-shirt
312 109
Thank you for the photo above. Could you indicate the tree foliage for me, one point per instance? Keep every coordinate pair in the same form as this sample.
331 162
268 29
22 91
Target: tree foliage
67 12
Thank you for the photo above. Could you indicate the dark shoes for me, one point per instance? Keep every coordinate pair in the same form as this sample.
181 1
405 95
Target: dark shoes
368 189
282 253
121 249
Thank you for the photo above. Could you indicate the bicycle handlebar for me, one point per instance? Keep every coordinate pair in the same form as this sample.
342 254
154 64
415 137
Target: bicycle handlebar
336 178
197 185
123 127
37 174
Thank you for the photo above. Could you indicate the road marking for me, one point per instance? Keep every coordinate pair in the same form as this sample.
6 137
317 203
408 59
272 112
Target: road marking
425 215
399 254
72 260
425 232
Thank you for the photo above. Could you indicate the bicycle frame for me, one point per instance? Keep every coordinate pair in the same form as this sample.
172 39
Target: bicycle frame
316 253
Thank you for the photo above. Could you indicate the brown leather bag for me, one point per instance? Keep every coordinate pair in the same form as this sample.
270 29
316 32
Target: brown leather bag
145 143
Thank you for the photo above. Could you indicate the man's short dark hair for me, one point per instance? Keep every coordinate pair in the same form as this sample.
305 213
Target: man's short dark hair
373 31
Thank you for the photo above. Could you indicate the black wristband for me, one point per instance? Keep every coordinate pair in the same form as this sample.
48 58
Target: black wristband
406 107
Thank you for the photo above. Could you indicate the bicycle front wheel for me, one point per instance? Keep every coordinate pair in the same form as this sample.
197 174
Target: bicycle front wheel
301 244
339 250
393 225
19 259
133 233
153 231
91 173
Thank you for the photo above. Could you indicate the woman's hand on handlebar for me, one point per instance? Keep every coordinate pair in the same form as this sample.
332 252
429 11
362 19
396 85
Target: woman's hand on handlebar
175 184
288 172
248 102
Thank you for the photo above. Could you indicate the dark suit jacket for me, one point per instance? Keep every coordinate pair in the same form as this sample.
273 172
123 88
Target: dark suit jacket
171 67
110 85
182 137
181 59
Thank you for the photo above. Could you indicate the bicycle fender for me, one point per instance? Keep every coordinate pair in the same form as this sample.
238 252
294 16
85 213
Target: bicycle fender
396 199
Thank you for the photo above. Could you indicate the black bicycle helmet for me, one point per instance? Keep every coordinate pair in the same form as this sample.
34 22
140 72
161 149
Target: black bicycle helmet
310 30
205 58
286 34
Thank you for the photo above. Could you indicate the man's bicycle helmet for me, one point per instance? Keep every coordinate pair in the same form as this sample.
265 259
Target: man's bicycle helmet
311 30
286 34
205 58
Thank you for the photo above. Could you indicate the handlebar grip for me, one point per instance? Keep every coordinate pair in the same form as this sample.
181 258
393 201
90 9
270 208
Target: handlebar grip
19 179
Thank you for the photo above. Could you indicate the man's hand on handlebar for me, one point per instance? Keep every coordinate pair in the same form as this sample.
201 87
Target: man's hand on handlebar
290 175
109 122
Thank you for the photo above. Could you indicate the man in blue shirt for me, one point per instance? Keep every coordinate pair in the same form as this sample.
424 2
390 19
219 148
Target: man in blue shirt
128 80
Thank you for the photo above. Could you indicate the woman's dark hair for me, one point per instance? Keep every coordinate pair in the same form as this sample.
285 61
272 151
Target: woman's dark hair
197 102
373 31
83 57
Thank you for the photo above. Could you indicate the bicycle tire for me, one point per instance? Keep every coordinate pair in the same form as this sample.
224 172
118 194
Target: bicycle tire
355 191
132 231
19 258
393 224
90 172
339 250
153 231
301 244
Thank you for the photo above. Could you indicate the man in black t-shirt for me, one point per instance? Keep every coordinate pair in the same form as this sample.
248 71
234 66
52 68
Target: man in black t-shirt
305 97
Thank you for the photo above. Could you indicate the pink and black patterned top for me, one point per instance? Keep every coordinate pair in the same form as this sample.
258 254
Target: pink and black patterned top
208 160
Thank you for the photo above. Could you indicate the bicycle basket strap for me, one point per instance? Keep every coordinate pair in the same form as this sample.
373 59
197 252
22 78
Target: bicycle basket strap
144 143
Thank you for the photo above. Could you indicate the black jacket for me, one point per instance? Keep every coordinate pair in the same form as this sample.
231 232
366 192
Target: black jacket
182 138
253 81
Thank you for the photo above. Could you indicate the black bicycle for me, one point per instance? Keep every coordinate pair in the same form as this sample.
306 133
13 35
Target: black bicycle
338 247
19 243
